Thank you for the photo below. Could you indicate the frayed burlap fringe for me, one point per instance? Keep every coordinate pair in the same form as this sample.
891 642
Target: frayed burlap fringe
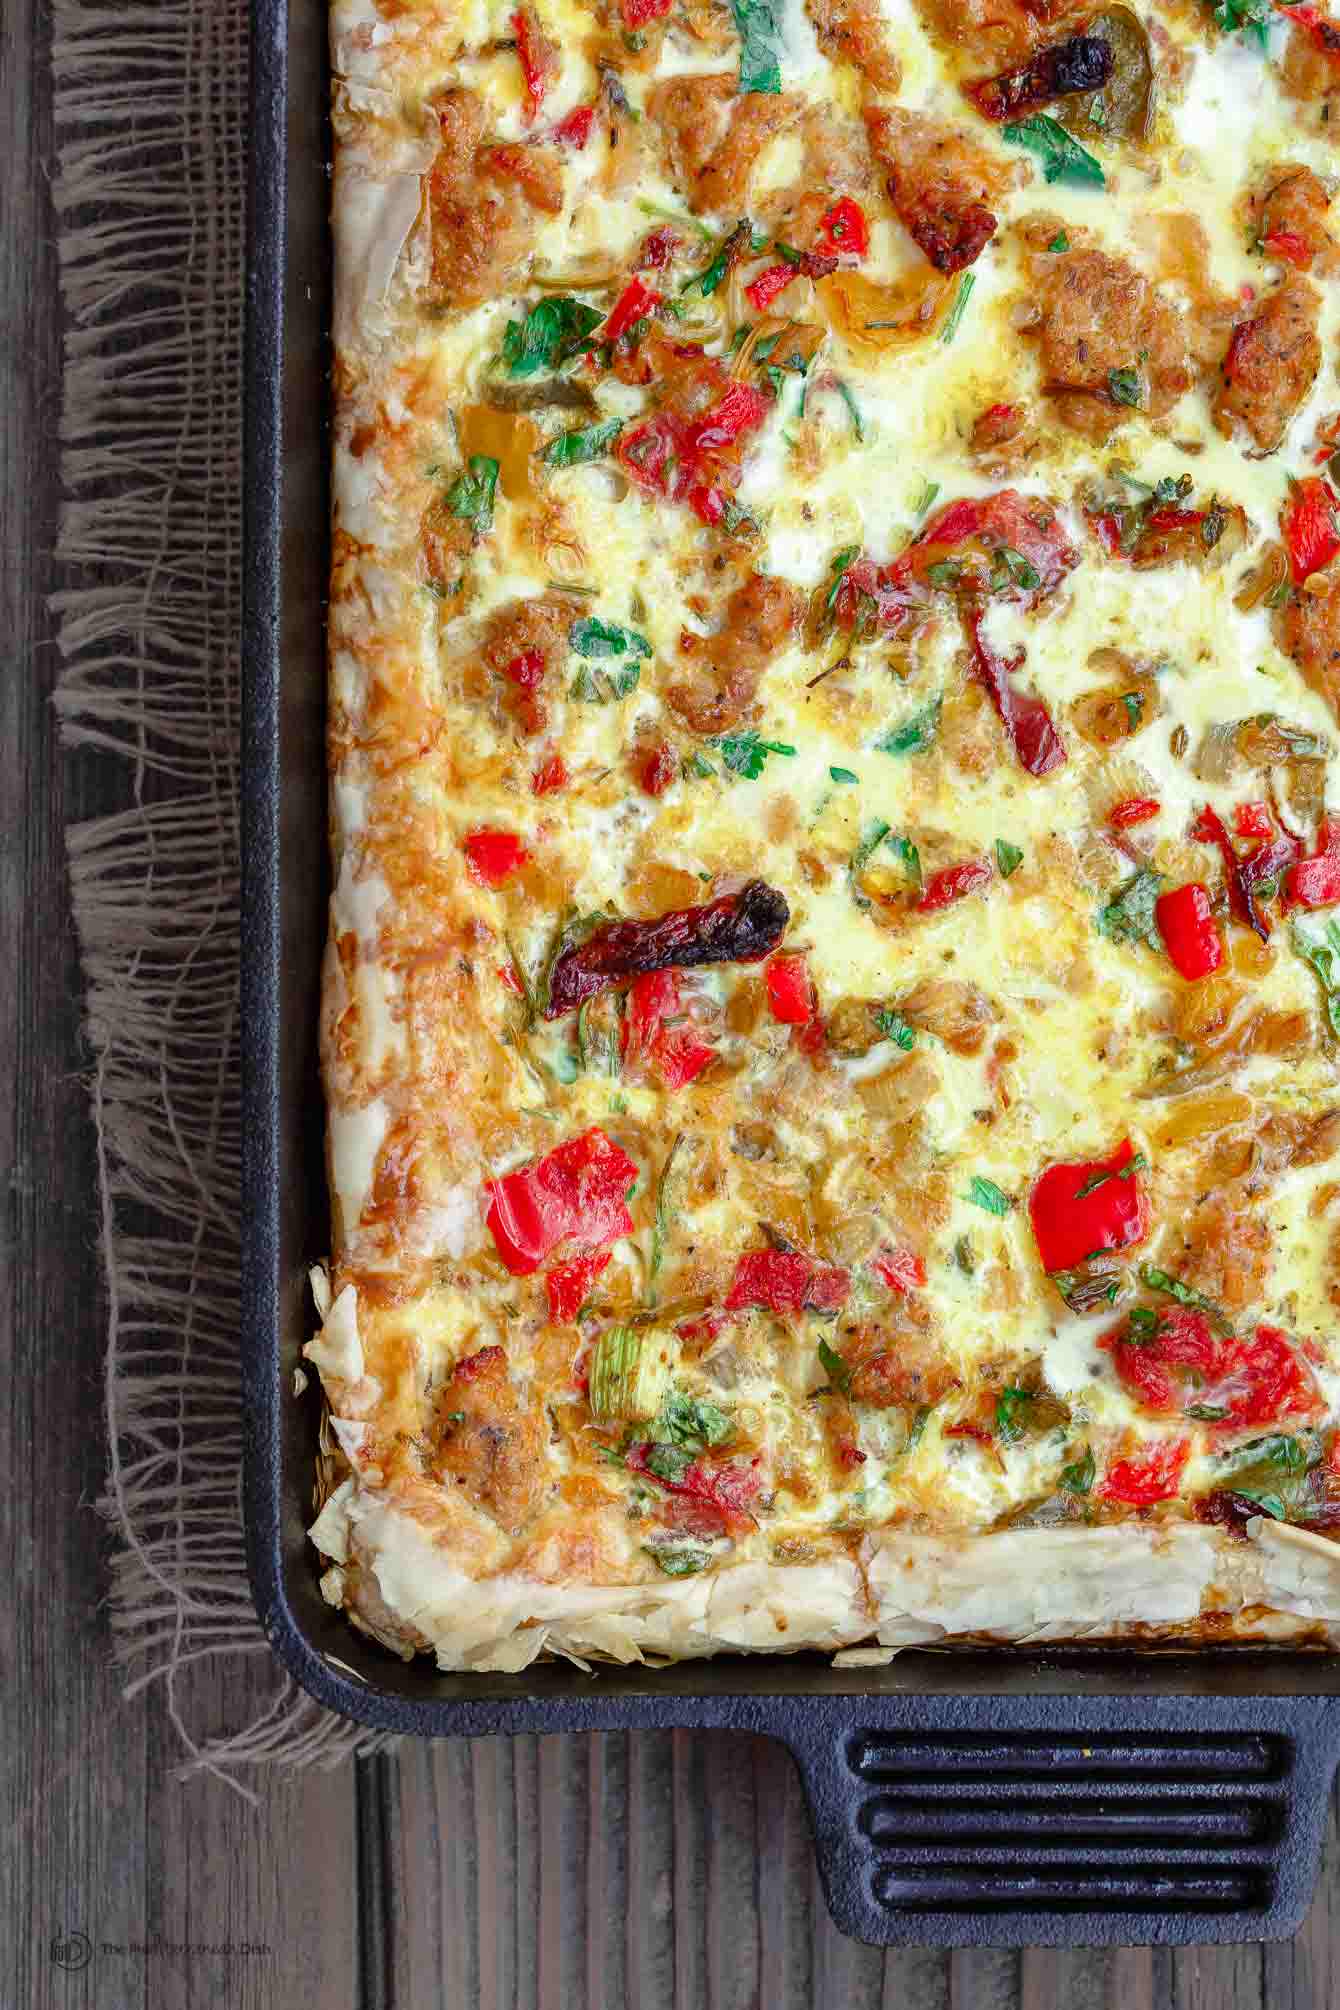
150 197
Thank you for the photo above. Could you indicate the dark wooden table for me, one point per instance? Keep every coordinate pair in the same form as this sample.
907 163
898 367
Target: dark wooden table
670 1872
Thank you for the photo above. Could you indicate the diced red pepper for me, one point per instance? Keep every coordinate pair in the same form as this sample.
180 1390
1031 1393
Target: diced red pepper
1232 1381
1155 1476
658 248
1253 820
790 989
1027 721
1190 934
1133 810
536 55
676 1052
568 1285
551 775
579 1189
1308 526
1315 881
635 302
1106 527
575 129
843 230
1082 1208
901 1269
673 457
787 1280
726 1490
738 411
637 13
525 670
658 769
1158 1366
953 882
1289 245
774 279
493 856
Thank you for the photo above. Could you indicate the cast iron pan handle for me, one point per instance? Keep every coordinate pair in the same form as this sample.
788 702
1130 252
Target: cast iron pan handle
1129 1820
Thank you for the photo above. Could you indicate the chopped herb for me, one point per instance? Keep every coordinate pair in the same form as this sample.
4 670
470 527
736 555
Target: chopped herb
1011 568
733 519
696 767
1127 387
843 775
853 408
745 755
956 312
1135 705
1137 1163
945 574
1009 1403
592 637
587 443
604 687
915 732
917 1427
677 216
669 1462
1008 857
470 496
965 1256
1082 1289
910 857
894 1027
1172 1287
1286 1454
1129 917
660 1228
1078 1477
1063 158
677 1562
553 331
985 1193
845 557
759 26
1251 18
1323 956
836 1369
1212 527
862 856
929 491
691 1424
730 248
1060 242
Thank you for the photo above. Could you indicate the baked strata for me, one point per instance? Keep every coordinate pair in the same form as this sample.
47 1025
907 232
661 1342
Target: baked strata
833 991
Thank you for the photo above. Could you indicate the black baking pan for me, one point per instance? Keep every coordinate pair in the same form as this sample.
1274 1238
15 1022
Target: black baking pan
999 1799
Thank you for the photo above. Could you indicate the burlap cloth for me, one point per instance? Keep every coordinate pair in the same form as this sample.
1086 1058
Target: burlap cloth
151 111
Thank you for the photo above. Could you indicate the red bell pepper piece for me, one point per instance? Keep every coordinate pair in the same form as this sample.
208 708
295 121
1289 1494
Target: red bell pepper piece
525 670
658 248
1190 936
575 129
1155 1476
1253 820
724 1489
1159 1366
1324 33
551 775
579 1189
786 1280
658 769
1308 526
901 1269
536 56
1290 246
493 856
568 1285
1080 1209
774 279
675 1052
637 13
1133 810
1027 721
1315 881
633 305
843 230
952 883
1233 1381
790 989
738 411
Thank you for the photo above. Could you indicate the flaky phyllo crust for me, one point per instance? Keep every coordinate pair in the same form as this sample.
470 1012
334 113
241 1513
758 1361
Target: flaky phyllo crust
833 989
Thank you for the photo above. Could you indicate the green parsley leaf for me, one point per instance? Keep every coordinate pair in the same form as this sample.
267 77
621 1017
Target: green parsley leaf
690 1424
961 299
1251 18
894 1027
915 733
553 331
1011 568
1009 1421
677 1562
1129 916
1063 158
1136 1163
843 775
605 687
858 425
1008 857
1078 1477
910 857
914 1435
1060 242
592 637
985 1193
669 1462
759 26
730 248
929 491
470 496
1173 1287
945 574
1321 952
836 1369
746 755
862 856
587 443
1126 387
847 556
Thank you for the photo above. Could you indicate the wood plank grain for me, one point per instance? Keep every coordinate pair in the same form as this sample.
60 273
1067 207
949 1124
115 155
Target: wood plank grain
1083 1978
981 1979
1304 1973
1219 1978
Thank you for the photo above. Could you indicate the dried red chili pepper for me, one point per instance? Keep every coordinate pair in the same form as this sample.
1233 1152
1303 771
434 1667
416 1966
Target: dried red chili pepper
740 927
575 129
551 775
1246 876
843 230
901 1269
773 279
1082 63
537 56
1026 719
658 769
1289 245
